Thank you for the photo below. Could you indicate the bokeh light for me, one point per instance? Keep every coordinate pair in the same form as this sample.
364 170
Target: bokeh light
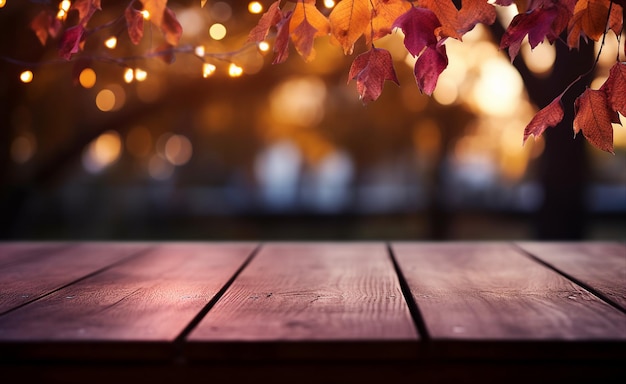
217 31
23 148
105 100
111 42
234 70
178 150
87 78
26 77
102 152
255 7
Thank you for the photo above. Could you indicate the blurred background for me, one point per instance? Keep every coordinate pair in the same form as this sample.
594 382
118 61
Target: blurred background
235 148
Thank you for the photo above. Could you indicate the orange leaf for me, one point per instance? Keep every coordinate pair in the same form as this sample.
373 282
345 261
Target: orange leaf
548 116
156 8
348 21
269 19
171 28
474 12
594 118
615 88
384 13
447 14
589 20
45 24
86 9
306 23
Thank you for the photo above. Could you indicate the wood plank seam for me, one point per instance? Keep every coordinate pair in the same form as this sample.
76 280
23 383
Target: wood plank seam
571 278
181 338
91 274
414 310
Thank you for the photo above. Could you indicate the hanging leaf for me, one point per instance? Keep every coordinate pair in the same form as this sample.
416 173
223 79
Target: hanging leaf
134 24
281 45
348 21
86 9
473 12
171 28
71 41
615 88
45 25
589 21
594 118
447 14
537 24
384 13
548 116
370 70
156 9
269 19
418 26
307 23
429 66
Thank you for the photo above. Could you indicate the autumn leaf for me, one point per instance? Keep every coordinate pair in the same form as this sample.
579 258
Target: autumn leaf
269 19
370 70
447 14
615 88
86 9
71 41
281 45
348 21
537 24
384 13
307 23
548 116
171 28
156 9
473 12
134 24
594 118
45 24
588 21
418 26
429 66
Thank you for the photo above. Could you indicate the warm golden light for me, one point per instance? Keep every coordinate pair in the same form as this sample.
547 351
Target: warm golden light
23 148
105 100
129 75
61 14
234 70
3 3
255 7
111 42
87 78
102 152
199 51
264 46
145 14
539 60
208 69
217 31
178 150
65 5
140 74
329 3
26 77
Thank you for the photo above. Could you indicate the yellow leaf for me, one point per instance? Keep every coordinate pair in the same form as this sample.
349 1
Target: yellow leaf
385 12
156 8
348 20
306 23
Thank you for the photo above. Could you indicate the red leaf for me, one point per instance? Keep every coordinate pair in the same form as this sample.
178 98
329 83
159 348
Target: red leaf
71 41
594 118
370 70
86 9
548 116
269 19
429 66
537 24
418 26
615 88
303 37
134 24
45 24
281 45
171 28
474 12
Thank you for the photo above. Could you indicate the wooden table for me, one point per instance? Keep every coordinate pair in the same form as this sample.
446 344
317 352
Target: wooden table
312 312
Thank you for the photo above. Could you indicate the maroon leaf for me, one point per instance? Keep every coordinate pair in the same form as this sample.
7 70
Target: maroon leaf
71 41
171 28
45 24
86 9
474 12
134 24
281 45
537 24
269 19
370 70
418 26
615 88
429 66
548 116
594 118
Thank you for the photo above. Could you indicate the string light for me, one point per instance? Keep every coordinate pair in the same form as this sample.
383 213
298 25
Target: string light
65 5
140 74
26 77
129 75
255 7
329 3
264 46
111 42
87 78
145 14
234 70
207 70
199 51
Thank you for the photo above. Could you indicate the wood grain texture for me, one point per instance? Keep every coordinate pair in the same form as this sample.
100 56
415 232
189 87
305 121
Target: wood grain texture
490 291
600 265
149 298
314 292
16 252
29 272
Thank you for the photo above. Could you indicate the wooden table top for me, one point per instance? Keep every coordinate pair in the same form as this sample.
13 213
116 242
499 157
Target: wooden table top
308 312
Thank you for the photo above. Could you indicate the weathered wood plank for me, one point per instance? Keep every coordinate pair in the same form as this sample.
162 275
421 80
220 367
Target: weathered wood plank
36 270
150 298
311 292
16 252
490 291
601 265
